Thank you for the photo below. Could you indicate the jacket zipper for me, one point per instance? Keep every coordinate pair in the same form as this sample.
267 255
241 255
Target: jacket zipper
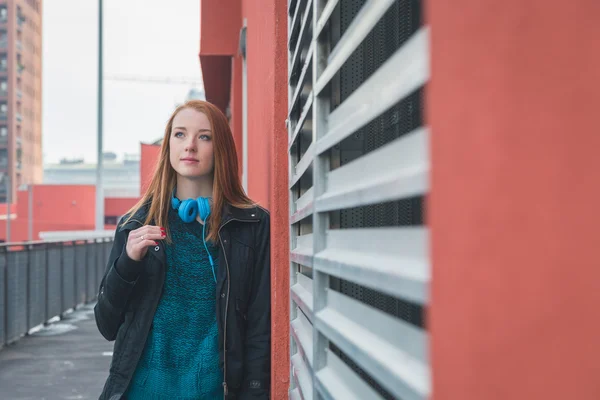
225 389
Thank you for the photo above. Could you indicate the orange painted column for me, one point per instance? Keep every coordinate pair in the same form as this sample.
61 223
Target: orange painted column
514 209
267 161
236 108
267 135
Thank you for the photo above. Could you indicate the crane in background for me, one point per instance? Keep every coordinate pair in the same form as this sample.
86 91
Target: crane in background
161 80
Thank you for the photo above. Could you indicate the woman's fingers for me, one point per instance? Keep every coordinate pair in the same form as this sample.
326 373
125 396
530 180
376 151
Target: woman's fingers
140 239
147 234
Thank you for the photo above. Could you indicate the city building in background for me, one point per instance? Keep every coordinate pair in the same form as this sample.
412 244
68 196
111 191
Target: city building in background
121 174
196 94
20 95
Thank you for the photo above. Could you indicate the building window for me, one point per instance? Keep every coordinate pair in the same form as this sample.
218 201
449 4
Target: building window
3 87
111 220
3 131
3 13
3 158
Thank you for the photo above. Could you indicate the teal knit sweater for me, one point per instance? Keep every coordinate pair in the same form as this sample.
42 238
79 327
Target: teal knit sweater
181 357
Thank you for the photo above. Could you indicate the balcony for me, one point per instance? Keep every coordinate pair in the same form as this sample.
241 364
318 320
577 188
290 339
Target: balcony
19 45
3 116
3 43
19 94
19 117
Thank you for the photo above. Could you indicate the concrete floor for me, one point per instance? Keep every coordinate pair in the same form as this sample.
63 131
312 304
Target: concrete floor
68 360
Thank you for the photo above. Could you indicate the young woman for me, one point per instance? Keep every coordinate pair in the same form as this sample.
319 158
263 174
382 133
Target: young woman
186 294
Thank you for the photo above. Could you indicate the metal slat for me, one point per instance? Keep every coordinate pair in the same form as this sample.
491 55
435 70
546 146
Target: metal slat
391 351
338 381
305 68
304 207
303 252
361 26
302 295
293 27
297 50
295 394
303 165
403 73
324 17
305 111
391 260
301 330
397 170
302 377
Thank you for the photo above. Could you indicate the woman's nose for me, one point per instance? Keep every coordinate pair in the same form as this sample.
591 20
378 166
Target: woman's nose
190 146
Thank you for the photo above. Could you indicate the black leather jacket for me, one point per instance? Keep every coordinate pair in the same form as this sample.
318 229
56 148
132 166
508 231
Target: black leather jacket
125 310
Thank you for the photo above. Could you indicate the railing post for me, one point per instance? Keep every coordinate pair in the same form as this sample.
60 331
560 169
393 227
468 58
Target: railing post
74 244
47 268
62 280
5 340
27 251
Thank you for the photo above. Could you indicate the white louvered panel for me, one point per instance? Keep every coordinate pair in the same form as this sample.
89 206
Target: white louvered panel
301 330
397 170
392 260
338 382
363 23
393 352
302 295
404 72
302 377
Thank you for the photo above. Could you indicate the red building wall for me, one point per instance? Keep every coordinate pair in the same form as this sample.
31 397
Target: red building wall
267 135
149 156
55 207
514 201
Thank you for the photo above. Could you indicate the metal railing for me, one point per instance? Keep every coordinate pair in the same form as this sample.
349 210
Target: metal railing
43 280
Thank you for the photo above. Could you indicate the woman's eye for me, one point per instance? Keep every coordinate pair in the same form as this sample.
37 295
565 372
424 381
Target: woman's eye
204 137
178 134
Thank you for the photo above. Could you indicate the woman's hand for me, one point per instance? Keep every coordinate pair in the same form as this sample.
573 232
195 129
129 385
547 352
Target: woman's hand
140 239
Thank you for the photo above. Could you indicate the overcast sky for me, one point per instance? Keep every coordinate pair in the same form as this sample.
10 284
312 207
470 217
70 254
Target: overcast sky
146 38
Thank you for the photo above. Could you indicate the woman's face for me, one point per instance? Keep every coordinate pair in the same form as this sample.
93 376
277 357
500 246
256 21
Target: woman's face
191 144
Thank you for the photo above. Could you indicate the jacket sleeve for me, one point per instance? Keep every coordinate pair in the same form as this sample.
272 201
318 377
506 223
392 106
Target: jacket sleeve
257 342
114 291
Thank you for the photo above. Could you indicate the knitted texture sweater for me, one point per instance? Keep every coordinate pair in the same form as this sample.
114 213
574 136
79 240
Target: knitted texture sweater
181 357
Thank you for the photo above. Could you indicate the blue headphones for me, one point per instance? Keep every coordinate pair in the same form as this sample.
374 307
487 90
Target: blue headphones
188 210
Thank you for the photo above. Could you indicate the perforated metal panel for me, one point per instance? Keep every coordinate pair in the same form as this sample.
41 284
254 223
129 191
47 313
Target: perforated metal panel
358 176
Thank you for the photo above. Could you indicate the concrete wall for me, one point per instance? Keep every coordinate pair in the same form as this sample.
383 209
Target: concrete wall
514 201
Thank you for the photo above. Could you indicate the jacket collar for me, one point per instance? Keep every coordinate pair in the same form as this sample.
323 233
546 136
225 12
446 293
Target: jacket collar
230 213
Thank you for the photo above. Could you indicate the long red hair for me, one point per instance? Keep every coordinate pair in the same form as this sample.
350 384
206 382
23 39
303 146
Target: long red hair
227 187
